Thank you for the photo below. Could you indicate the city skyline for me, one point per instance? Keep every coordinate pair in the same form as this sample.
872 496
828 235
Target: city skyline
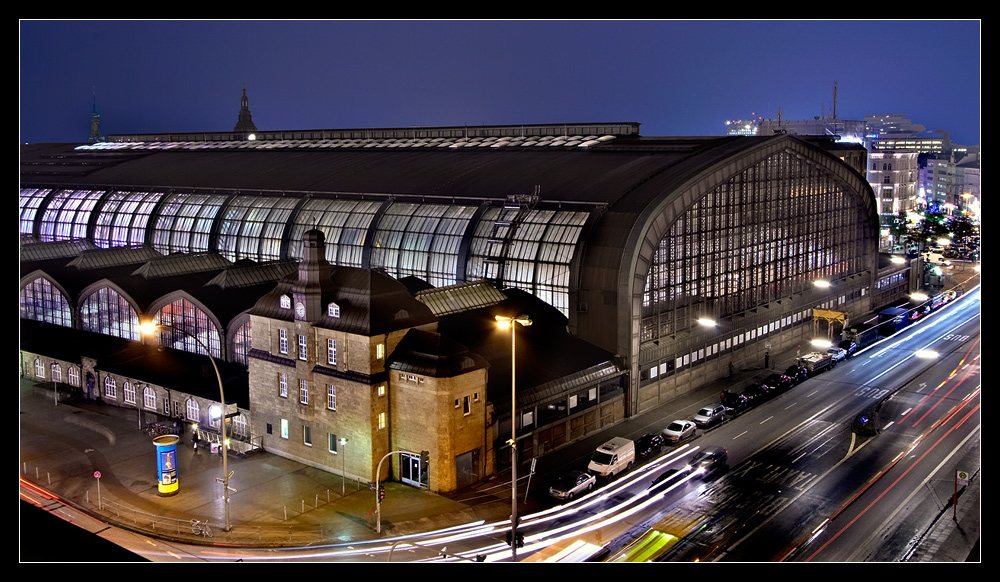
684 77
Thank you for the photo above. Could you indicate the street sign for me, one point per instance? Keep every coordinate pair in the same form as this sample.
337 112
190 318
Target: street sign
962 476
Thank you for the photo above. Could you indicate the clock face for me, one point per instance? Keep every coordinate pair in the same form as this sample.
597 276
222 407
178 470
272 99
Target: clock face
300 309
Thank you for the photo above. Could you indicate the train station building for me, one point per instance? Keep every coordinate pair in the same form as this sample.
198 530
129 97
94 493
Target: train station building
347 282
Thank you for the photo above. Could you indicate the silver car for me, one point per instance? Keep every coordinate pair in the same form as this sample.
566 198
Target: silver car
710 415
678 430
572 484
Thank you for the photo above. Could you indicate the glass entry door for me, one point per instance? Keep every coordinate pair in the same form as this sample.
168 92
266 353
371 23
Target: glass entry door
409 470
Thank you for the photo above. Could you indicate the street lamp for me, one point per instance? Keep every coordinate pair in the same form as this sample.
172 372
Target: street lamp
148 328
504 323
343 469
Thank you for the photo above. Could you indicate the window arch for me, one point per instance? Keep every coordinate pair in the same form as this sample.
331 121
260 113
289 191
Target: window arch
751 240
107 312
149 398
40 300
182 321
56 370
110 387
191 410
240 343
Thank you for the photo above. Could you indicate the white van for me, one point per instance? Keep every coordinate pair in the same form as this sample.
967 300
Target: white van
613 457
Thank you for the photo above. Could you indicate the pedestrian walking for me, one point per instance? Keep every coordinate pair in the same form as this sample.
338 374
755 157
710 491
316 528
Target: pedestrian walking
194 440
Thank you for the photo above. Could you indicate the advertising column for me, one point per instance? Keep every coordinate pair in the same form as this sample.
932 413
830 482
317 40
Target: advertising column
166 464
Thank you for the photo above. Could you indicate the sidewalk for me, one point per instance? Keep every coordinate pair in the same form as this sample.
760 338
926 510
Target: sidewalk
276 501
279 502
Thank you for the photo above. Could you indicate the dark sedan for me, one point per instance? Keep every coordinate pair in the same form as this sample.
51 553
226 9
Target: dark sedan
648 445
778 382
797 373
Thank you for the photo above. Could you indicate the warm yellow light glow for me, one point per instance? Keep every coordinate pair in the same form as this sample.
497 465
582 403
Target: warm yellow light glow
821 283
821 343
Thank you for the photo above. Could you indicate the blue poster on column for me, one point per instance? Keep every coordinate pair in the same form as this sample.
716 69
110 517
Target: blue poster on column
166 464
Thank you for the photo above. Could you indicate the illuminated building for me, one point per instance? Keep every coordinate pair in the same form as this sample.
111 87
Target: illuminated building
628 240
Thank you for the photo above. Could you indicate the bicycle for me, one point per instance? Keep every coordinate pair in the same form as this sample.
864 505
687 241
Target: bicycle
154 430
201 528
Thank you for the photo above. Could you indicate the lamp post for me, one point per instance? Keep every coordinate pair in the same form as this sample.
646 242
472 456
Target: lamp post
504 323
148 328
343 465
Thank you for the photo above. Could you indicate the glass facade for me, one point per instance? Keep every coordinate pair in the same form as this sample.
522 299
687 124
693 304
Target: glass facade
767 233
123 219
516 246
106 312
40 301
528 249
422 240
182 322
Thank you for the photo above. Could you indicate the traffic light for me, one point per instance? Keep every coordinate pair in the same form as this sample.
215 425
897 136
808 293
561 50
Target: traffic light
381 492
519 536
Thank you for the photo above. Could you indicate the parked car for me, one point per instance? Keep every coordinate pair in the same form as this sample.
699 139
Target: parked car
678 430
734 403
778 382
648 445
572 484
849 347
708 460
837 353
755 393
710 416
797 373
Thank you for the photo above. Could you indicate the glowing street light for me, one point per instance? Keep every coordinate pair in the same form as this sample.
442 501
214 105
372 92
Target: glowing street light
508 323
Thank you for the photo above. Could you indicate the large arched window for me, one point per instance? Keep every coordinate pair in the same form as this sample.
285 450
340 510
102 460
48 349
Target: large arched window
105 311
41 301
240 343
181 322
766 233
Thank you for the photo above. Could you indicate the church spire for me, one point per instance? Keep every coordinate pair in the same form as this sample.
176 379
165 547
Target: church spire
245 123
95 122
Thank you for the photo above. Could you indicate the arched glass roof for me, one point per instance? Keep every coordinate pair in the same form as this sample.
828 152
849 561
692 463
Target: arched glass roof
441 243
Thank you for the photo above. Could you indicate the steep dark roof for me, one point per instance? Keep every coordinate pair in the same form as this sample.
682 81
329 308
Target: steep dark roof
371 302
432 354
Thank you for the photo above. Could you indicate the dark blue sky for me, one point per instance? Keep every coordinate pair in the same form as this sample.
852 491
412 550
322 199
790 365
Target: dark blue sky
673 77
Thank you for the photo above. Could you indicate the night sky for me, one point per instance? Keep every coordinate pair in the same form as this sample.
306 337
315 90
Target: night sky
674 77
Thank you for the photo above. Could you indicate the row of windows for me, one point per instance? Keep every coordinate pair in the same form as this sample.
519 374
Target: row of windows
422 240
333 443
129 395
184 326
